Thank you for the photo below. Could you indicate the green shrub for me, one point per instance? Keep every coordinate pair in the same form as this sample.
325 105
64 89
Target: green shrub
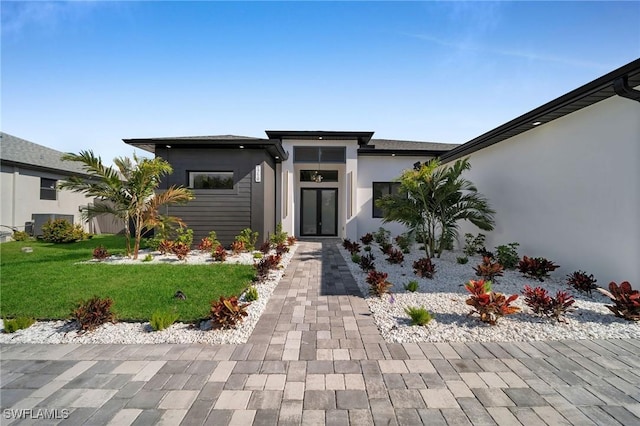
381 236
404 242
18 323
162 319
249 238
184 236
367 248
355 258
447 241
251 294
213 236
418 315
20 236
508 255
412 286
147 258
462 260
258 255
153 243
278 237
473 244
93 313
62 231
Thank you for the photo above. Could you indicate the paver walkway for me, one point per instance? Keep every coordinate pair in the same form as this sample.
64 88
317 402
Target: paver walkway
316 357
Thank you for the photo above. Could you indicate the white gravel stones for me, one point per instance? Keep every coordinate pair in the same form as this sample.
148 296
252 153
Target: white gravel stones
141 333
445 296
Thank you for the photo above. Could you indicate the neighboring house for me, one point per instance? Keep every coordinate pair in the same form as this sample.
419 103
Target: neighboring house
28 182
563 179
316 183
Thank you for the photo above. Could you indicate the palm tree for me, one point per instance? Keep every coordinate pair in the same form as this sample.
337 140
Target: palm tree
127 191
432 200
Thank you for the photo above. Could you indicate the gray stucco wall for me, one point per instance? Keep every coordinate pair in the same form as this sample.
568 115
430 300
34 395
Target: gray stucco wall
226 212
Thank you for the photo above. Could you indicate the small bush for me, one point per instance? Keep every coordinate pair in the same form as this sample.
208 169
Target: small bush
278 237
219 254
350 246
366 262
100 253
227 312
541 303
265 265
418 315
265 247
153 243
462 260
488 269
18 323
248 238
367 239
162 319
165 246
626 300
382 236
355 258
20 236
395 256
447 242
488 304
404 242
62 231
537 267
412 286
282 249
378 284
205 244
582 282
251 294
473 244
237 247
258 255
92 313
367 248
508 255
147 258
181 250
386 248
424 268
184 236
291 240
213 237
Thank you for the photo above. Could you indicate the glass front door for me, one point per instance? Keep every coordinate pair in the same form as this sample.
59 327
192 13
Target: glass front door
319 212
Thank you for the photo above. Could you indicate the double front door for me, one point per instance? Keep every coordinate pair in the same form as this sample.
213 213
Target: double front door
319 212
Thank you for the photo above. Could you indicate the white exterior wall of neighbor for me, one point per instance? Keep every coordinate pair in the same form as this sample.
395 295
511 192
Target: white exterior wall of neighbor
288 184
570 191
378 169
21 197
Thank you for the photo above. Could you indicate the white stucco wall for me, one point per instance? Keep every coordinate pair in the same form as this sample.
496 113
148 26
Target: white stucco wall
21 197
569 191
378 169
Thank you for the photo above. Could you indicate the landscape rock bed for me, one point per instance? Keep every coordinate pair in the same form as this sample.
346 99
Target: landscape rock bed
51 332
445 296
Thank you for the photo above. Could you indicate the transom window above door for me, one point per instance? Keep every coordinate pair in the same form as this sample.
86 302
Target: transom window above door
318 176
319 154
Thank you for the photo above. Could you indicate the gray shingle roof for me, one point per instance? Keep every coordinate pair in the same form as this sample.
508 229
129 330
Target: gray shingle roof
398 145
16 150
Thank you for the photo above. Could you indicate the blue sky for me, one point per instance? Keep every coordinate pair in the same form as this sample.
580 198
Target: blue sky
85 75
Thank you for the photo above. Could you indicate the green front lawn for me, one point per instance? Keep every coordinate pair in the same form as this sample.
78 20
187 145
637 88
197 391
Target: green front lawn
48 283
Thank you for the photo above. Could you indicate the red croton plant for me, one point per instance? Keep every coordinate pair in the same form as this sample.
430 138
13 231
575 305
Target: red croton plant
489 304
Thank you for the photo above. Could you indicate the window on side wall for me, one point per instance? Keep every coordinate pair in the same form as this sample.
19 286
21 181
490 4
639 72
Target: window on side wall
48 189
211 180
380 189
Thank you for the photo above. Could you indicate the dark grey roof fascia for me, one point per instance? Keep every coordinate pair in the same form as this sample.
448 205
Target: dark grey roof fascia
272 146
23 153
582 97
363 138
401 152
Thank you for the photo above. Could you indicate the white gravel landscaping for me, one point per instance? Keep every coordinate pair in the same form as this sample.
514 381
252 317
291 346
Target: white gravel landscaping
445 296
141 333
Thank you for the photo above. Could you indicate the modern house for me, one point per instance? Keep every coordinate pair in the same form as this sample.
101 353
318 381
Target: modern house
28 184
563 178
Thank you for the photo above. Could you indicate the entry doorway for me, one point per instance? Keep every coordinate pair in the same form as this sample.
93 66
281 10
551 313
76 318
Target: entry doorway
319 212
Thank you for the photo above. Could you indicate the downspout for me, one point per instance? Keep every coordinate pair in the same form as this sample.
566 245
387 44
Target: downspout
622 88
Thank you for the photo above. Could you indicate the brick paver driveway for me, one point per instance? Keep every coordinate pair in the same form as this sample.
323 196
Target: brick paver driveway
316 357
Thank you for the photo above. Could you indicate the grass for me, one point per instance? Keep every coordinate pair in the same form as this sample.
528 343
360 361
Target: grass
48 283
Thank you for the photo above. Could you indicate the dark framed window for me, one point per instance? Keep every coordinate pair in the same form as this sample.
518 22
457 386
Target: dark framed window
380 189
48 189
319 154
318 176
211 180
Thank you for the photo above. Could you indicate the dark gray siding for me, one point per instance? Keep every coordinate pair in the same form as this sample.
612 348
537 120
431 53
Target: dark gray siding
227 213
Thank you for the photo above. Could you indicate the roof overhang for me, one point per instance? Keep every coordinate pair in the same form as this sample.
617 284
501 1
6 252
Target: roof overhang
363 138
366 151
582 97
272 146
